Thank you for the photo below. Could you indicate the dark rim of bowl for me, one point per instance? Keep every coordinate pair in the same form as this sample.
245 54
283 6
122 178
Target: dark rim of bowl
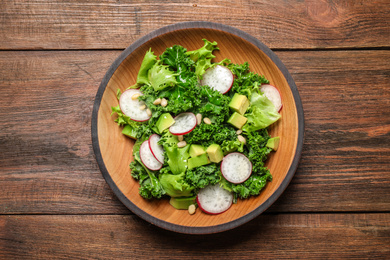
180 228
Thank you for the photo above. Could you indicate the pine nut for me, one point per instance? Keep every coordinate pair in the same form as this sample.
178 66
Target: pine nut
198 119
180 138
142 107
207 120
239 131
181 144
191 209
164 102
241 139
135 96
157 101
148 112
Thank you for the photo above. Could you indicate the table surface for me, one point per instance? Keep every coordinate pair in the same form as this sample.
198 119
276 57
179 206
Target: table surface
54 202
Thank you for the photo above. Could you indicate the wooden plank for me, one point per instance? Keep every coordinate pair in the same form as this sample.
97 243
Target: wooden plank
115 24
47 161
268 236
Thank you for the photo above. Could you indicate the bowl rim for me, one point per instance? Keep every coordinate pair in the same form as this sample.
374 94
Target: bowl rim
195 229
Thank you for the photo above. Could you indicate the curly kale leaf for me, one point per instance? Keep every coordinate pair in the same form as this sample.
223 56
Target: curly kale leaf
202 176
177 59
246 81
251 187
150 186
257 150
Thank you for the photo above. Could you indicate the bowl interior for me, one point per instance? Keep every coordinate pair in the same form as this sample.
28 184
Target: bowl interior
116 149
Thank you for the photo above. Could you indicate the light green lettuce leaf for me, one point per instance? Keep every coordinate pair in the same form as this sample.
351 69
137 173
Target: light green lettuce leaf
261 113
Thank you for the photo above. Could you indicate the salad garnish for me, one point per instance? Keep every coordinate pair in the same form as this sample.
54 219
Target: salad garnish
200 128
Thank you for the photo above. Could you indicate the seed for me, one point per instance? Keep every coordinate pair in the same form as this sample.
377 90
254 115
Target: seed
164 102
241 139
148 112
239 131
198 119
157 101
135 96
142 107
180 138
181 144
191 209
207 120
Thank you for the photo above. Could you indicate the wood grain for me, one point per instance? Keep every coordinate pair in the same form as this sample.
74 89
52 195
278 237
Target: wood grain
115 24
285 236
47 163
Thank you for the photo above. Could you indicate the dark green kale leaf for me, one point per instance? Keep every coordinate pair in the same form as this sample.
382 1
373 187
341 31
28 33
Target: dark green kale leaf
246 81
251 187
257 151
202 176
150 186
177 59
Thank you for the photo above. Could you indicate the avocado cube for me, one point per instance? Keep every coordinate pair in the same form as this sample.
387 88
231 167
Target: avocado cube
198 161
196 150
182 202
237 120
215 153
273 143
129 131
239 103
164 121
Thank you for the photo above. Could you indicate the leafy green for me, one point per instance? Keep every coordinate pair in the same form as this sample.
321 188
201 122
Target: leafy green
177 59
202 176
246 81
149 60
203 57
161 77
177 158
204 52
175 185
251 187
150 186
257 151
260 114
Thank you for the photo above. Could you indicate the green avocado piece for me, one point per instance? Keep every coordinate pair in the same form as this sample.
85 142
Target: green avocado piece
215 153
182 202
239 103
198 161
237 120
164 121
196 150
273 143
129 131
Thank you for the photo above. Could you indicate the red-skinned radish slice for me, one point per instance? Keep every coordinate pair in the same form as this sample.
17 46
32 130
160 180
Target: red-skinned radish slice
147 157
218 78
273 94
184 123
236 167
214 199
132 107
156 149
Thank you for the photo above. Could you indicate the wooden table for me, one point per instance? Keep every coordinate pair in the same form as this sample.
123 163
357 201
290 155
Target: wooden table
54 202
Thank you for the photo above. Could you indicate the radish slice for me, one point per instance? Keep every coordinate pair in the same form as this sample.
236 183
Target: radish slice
147 157
184 123
218 78
273 94
236 167
132 107
156 149
214 199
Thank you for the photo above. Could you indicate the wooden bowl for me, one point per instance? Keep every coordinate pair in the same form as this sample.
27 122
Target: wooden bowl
114 151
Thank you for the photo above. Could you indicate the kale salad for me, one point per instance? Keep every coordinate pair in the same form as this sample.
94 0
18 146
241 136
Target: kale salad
200 128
